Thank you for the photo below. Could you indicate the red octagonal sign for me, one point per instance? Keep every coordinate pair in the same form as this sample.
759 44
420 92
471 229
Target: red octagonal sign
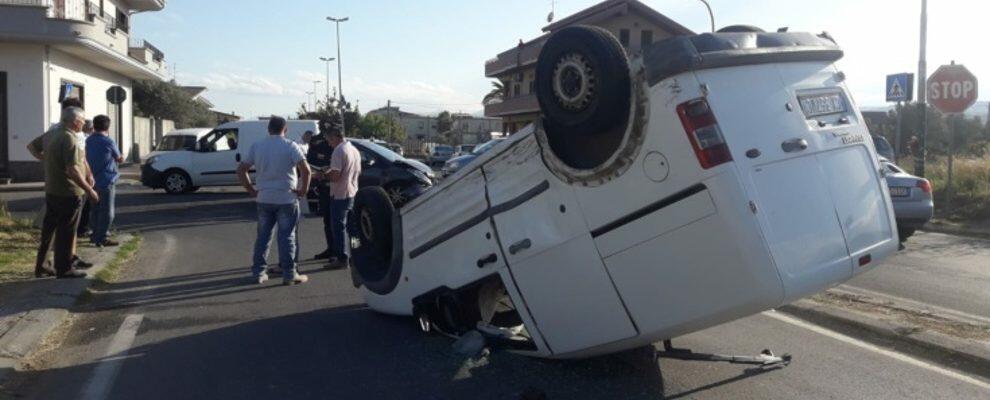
952 89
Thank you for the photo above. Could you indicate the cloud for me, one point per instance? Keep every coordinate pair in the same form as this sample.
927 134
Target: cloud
415 96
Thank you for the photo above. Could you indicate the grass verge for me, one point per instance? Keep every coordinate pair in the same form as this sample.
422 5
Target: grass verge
111 272
18 247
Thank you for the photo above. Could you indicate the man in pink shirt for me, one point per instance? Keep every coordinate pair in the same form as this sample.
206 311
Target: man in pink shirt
345 167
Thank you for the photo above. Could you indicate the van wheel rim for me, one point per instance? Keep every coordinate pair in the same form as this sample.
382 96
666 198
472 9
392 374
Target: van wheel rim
176 182
573 82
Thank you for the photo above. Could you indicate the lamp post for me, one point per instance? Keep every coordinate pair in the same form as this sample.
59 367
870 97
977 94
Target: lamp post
328 60
309 99
340 72
316 99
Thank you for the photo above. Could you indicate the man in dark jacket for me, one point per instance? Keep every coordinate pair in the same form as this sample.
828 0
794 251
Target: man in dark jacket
318 158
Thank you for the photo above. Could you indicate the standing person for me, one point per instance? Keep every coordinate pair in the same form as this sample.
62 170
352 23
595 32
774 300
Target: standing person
84 228
37 149
318 156
276 160
65 186
103 156
345 167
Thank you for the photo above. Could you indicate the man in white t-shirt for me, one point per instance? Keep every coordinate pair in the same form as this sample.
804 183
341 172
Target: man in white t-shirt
345 168
276 160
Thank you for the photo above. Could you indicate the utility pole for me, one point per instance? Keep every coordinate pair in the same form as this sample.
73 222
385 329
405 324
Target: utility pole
328 60
340 72
316 99
919 159
897 133
309 99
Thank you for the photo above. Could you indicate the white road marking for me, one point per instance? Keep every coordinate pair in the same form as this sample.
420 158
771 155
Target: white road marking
879 350
99 385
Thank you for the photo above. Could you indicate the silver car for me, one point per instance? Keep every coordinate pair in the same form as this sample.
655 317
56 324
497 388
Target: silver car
912 198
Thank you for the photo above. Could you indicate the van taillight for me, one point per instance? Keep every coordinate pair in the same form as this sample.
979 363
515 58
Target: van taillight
703 132
924 185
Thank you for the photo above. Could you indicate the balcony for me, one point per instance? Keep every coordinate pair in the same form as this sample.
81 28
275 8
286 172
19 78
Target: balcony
524 104
78 27
516 58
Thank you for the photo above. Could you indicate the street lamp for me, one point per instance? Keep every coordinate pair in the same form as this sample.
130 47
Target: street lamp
328 60
309 99
340 79
316 99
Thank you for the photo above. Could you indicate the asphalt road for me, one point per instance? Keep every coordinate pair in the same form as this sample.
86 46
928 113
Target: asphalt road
943 270
184 322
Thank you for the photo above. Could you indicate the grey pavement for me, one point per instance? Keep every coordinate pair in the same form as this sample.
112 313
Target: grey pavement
205 332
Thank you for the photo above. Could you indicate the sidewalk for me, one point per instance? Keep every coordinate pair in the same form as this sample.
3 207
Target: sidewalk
31 310
130 174
957 340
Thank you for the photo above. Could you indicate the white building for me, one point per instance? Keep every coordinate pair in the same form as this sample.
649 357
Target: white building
51 49
423 129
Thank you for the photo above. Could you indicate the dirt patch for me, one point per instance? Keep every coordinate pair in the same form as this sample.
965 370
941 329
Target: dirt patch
18 246
917 319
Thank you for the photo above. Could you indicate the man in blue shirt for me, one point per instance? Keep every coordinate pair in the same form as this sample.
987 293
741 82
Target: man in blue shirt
103 156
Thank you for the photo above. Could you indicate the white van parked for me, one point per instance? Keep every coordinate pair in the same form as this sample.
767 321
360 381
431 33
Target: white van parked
188 159
714 177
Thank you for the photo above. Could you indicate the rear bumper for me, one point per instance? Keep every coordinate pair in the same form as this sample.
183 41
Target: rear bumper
151 177
913 214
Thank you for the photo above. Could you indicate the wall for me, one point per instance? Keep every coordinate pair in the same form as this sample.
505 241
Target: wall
26 116
96 81
144 136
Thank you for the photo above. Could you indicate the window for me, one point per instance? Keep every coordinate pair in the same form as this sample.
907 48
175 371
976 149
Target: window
71 89
219 140
624 37
646 38
532 87
177 142
515 90
122 21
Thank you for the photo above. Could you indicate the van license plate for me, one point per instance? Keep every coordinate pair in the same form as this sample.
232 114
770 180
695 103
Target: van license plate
899 191
822 104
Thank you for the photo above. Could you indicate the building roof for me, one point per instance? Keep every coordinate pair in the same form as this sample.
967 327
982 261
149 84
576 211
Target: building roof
194 91
609 8
394 111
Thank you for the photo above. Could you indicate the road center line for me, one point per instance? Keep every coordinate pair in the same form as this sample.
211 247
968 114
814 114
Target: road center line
106 372
879 350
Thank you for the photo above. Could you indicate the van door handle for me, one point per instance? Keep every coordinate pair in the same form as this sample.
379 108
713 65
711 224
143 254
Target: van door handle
237 157
489 259
520 246
794 145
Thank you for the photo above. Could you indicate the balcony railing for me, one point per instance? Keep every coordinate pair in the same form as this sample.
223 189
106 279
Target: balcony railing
77 10
512 106
157 54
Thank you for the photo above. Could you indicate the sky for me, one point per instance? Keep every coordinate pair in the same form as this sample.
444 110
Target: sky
260 57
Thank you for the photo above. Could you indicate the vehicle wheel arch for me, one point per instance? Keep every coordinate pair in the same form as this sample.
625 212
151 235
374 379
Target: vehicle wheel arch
169 171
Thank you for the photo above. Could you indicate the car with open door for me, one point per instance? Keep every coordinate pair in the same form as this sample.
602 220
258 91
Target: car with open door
711 178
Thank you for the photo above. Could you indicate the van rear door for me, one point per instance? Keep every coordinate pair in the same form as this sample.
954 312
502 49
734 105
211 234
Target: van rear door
808 166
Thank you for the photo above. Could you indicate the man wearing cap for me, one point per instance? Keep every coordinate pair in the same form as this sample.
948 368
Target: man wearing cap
318 156
276 160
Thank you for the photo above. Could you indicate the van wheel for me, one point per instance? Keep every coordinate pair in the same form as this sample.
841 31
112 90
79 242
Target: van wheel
584 89
741 29
177 182
372 256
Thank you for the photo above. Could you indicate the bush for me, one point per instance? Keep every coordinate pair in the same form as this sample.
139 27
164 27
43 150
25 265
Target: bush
970 186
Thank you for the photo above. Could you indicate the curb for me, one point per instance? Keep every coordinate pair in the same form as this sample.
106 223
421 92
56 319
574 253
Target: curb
52 308
966 355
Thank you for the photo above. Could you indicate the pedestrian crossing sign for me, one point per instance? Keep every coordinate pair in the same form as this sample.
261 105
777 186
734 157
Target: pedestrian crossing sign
900 87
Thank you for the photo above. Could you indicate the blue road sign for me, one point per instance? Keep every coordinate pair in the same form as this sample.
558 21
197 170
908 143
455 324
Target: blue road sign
900 87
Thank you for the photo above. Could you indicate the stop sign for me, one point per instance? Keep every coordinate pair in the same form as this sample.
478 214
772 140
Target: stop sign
952 89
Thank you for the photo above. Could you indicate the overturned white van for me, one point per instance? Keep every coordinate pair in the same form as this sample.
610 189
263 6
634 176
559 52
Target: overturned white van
716 176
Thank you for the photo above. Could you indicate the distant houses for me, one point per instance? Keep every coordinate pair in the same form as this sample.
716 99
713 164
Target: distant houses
424 129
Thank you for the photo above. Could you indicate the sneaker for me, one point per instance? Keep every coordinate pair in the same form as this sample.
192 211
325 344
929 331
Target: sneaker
108 243
78 263
325 255
70 274
336 264
297 278
44 271
261 278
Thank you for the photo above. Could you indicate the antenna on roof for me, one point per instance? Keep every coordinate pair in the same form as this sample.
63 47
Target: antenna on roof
553 6
711 15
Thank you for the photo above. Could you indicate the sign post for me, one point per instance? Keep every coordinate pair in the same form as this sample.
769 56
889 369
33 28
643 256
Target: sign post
900 88
952 89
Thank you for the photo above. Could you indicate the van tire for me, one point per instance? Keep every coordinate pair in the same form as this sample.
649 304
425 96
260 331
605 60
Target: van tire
176 181
584 91
375 258
741 29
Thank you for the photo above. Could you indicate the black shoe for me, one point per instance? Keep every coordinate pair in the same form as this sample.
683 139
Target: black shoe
325 255
70 274
85 233
78 263
335 264
44 271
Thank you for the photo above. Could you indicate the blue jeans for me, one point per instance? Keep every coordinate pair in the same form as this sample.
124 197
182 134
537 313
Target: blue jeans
101 214
286 216
339 208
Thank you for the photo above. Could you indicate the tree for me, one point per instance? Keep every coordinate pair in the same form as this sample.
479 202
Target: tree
496 95
167 100
329 108
444 122
378 127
